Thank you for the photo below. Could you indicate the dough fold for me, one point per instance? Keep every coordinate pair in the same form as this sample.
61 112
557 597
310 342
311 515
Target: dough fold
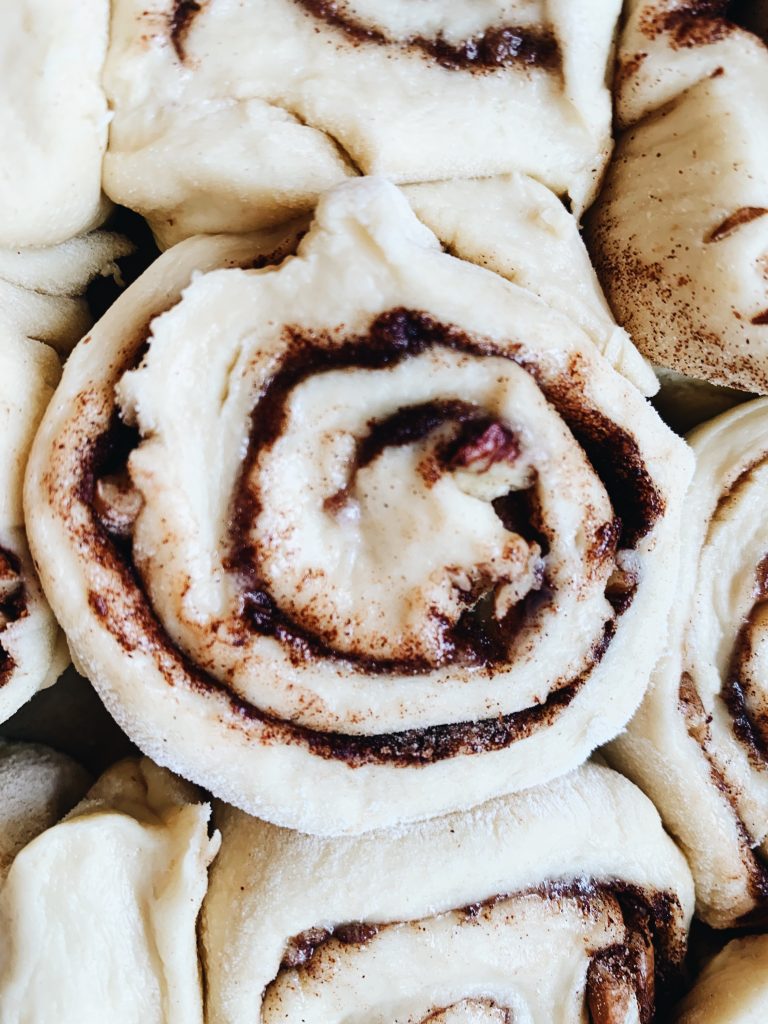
37 788
236 117
99 912
53 120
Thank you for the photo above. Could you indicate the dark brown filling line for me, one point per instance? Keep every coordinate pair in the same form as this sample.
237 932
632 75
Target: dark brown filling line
749 726
180 22
698 725
393 336
478 638
744 215
650 962
12 608
498 47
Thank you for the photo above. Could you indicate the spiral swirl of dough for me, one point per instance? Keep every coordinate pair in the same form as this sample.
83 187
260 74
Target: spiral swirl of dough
408 533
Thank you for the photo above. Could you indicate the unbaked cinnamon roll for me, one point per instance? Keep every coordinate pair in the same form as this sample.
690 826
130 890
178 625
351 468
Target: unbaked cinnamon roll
234 117
33 652
679 233
357 536
98 913
37 788
732 989
53 120
552 904
698 746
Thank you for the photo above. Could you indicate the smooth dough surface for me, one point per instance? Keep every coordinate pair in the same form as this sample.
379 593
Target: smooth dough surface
53 121
99 912
37 788
42 290
235 117
679 233
697 744
733 988
397 925
374 556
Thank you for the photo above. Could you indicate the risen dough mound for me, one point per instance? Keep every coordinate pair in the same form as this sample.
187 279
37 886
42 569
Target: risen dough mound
699 744
405 543
53 120
97 915
37 788
32 650
538 907
733 989
679 233
233 117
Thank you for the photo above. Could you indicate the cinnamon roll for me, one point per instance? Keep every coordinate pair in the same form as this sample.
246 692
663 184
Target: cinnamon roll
561 901
358 537
53 120
234 117
37 788
679 233
698 744
732 989
98 913
32 650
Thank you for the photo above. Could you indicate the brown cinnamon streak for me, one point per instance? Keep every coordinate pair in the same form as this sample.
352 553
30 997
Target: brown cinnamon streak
498 47
647 967
392 337
12 609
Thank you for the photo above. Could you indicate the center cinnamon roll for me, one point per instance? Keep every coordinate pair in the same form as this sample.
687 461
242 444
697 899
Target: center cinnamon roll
391 536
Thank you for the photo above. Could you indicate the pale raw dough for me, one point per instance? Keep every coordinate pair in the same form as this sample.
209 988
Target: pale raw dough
733 988
32 650
679 233
234 117
42 290
37 788
528 952
399 552
53 120
516 226
98 914
710 786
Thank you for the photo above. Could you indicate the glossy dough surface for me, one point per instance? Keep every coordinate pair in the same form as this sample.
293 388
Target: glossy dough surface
118 884
234 117
508 908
